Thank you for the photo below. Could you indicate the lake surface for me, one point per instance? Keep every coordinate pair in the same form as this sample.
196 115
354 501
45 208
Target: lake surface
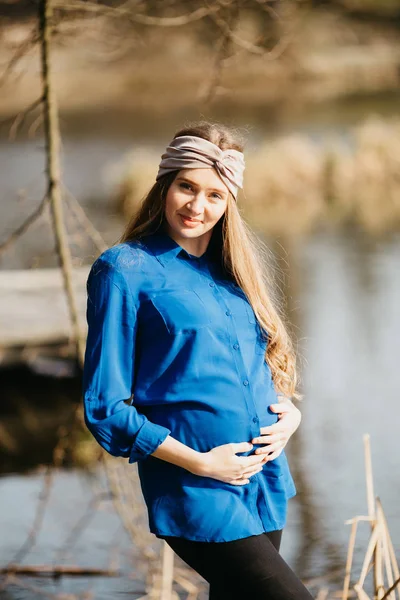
98 147
347 319
344 298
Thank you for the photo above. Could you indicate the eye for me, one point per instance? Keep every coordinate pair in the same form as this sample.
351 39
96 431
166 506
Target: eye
185 186
216 195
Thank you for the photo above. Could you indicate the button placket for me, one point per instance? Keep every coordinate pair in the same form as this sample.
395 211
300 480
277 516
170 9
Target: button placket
240 367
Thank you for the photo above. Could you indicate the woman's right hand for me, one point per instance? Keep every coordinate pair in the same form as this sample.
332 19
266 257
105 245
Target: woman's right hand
222 463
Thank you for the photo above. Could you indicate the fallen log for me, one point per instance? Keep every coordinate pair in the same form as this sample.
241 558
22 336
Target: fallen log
57 570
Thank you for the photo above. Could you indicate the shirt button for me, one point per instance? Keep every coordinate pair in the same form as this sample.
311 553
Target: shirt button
211 284
236 346
255 419
228 312
245 382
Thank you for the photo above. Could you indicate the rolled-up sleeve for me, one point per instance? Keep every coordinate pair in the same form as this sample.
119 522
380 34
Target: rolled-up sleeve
109 367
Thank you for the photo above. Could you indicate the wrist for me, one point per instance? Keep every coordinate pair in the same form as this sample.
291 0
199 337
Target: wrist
199 464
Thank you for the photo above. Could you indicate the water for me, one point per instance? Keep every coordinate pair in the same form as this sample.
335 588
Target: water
344 292
96 151
349 295
348 323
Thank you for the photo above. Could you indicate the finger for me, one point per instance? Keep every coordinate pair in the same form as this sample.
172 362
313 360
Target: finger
249 461
268 439
251 472
274 455
245 477
271 448
267 450
274 428
241 482
241 446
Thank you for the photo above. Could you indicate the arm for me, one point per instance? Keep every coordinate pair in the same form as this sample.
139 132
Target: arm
108 374
108 380
174 451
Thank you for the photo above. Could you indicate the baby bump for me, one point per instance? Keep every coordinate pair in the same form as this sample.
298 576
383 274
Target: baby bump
203 427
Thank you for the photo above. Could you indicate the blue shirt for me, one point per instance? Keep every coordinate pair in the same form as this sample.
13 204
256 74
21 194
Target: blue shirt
176 332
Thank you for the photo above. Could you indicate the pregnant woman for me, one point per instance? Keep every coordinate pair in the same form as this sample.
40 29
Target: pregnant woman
186 356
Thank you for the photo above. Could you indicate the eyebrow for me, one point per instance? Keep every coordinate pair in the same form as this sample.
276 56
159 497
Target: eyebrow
219 190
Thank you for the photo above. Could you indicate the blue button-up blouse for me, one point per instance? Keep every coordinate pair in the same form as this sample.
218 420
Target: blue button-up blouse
173 330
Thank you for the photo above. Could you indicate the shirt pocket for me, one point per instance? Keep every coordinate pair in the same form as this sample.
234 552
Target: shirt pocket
183 311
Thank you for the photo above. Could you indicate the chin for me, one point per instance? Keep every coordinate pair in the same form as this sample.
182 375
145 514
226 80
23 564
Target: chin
189 232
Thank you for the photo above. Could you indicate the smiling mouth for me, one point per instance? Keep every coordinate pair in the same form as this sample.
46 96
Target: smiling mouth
189 219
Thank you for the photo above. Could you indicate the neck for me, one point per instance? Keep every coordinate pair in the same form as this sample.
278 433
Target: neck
196 246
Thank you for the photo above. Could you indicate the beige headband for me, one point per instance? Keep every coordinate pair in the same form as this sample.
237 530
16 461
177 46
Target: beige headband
192 152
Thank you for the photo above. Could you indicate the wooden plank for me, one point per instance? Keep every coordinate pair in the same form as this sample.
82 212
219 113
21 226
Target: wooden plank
33 307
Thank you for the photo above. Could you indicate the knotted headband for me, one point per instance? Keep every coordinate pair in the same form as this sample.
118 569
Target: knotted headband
192 152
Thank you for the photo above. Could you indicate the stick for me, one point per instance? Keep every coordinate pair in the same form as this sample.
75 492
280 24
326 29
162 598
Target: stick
368 555
390 558
369 477
85 222
51 570
349 561
52 140
167 572
25 225
392 588
360 592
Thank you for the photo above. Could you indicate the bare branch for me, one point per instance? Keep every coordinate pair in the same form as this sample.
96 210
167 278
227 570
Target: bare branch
236 39
220 55
39 517
19 54
272 54
12 579
34 126
264 5
85 222
81 524
25 225
390 590
20 118
122 11
53 169
47 570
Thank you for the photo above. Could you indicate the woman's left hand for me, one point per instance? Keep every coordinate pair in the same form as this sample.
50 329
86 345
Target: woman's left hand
276 436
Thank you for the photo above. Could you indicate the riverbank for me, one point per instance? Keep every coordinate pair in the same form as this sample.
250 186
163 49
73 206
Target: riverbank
321 55
295 185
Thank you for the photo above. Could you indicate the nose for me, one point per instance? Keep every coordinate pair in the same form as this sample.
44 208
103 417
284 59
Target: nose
196 204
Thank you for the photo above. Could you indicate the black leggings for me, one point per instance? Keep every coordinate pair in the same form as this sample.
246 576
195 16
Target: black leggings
249 567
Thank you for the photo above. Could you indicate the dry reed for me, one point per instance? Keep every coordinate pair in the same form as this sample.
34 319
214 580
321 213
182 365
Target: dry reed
294 185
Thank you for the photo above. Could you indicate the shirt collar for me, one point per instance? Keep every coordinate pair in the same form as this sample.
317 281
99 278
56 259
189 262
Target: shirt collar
165 248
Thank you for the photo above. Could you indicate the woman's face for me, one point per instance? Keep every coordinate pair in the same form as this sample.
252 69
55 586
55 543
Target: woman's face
195 201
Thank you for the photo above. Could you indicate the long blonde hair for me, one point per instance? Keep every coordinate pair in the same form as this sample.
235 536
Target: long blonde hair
243 257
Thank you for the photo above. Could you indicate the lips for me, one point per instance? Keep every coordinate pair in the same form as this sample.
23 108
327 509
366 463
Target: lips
190 219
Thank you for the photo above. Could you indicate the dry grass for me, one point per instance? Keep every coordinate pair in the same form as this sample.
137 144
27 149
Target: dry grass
294 185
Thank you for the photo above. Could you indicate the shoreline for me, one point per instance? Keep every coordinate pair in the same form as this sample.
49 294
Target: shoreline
167 71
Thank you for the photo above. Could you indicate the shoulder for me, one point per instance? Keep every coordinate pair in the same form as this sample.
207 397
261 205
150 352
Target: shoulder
123 257
122 260
116 264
